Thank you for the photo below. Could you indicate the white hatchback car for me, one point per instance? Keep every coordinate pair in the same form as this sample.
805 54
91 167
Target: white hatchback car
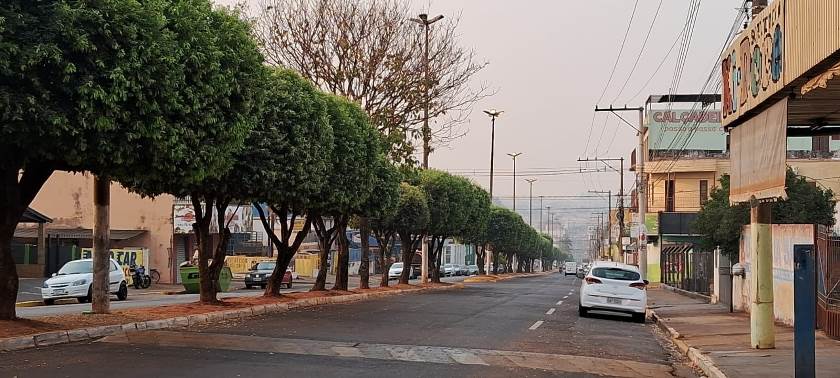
75 278
612 286
395 271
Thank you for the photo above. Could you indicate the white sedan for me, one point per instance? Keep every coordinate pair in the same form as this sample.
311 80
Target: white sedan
395 271
74 280
612 286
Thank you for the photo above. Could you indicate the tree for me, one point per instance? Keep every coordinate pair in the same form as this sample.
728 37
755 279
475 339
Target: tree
377 216
350 175
502 231
450 198
410 220
475 231
291 147
720 223
369 53
106 87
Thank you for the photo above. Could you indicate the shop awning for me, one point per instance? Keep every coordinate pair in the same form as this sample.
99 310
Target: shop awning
77 233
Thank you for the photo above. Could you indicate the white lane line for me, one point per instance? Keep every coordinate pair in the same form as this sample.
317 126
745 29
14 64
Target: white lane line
536 325
565 296
559 302
550 311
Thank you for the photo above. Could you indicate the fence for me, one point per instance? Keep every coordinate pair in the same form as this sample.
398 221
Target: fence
686 268
26 254
828 281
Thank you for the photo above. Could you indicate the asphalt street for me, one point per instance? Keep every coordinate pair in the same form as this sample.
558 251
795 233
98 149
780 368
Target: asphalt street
522 327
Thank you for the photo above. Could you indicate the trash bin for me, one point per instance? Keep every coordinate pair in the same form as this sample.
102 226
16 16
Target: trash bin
192 285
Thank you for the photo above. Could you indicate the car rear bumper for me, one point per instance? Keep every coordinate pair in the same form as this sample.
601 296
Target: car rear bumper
598 302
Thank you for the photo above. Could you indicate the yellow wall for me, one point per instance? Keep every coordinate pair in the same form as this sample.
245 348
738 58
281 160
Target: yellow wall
67 198
686 187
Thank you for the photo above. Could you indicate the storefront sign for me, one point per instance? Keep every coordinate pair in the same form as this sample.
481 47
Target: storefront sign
670 129
752 68
237 218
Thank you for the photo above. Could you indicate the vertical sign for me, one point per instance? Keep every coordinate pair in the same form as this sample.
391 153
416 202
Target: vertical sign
804 310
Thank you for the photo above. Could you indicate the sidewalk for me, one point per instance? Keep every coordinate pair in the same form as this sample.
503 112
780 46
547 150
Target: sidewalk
719 341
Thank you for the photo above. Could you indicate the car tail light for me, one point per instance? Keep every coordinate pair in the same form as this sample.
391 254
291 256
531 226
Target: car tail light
639 285
592 280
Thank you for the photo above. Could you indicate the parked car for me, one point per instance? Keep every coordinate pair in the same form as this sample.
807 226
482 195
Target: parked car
465 271
395 271
569 268
260 274
75 279
613 286
472 269
450 270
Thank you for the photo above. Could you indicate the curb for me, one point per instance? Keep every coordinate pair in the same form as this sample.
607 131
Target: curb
479 279
92 333
41 303
686 293
694 355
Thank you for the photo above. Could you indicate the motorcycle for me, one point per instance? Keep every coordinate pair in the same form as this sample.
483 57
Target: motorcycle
139 278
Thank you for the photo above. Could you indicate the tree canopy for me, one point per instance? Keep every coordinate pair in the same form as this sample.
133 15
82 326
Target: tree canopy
720 223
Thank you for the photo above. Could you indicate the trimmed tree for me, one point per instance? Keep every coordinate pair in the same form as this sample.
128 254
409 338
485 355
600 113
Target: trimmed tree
475 230
377 217
112 88
450 198
350 175
291 146
410 220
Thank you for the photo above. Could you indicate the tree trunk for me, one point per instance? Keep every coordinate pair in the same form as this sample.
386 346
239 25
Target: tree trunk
437 255
215 268
201 228
480 256
285 246
325 242
364 265
100 295
342 274
407 257
384 258
18 187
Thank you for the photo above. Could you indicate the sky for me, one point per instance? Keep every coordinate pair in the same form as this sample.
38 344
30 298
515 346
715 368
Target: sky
549 62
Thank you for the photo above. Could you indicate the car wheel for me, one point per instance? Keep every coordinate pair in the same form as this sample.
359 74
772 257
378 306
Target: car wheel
249 286
122 293
639 318
49 302
582 311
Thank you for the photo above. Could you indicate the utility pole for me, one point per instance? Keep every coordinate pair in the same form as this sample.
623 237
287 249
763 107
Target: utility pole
425 23
609 217
531 201
493 113
513 156
541 212
641 185
620 208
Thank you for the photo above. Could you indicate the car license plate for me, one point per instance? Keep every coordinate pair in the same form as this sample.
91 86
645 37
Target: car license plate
58 291
613 300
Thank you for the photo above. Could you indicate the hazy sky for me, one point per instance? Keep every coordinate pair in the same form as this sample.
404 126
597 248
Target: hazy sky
550 61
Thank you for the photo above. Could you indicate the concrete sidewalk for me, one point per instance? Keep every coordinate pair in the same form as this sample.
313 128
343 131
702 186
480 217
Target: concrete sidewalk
719 341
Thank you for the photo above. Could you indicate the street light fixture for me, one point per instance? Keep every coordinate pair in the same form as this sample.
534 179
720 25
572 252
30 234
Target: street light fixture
493 113
514 156
425 23
531 201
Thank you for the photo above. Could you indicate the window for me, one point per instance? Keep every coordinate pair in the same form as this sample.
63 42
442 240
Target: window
616 274
704 191
114 267
669 195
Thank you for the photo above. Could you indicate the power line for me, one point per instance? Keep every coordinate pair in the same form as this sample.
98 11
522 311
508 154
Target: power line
641 52
620 50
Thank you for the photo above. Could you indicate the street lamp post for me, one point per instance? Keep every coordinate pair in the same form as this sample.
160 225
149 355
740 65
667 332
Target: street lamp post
531 202
513 156
493 113
425 23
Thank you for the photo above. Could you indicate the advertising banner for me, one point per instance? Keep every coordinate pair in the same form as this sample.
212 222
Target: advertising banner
238 219
685 129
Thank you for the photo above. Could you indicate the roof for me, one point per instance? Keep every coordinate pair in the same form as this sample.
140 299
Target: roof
614 264
30 215
77 233
686 98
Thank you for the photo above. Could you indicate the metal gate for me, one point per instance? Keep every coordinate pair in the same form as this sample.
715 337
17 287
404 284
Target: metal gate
686 268
828 281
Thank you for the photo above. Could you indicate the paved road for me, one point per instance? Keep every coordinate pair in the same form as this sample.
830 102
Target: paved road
484 330
140 298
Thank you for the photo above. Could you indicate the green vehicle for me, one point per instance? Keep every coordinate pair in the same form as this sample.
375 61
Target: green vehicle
189 278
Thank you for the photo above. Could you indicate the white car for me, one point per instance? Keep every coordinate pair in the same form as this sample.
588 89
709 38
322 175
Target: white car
74 280
395 271
570 268
612 286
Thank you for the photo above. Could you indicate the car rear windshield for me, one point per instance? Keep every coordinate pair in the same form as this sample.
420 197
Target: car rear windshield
616 274
396 265
75 267
266 266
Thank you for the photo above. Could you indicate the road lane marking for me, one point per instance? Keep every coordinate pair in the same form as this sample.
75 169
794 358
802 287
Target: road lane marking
393 352
550 311
536 325
565 296
559 302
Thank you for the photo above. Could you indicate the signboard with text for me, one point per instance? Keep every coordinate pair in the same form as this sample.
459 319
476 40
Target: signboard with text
685 129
